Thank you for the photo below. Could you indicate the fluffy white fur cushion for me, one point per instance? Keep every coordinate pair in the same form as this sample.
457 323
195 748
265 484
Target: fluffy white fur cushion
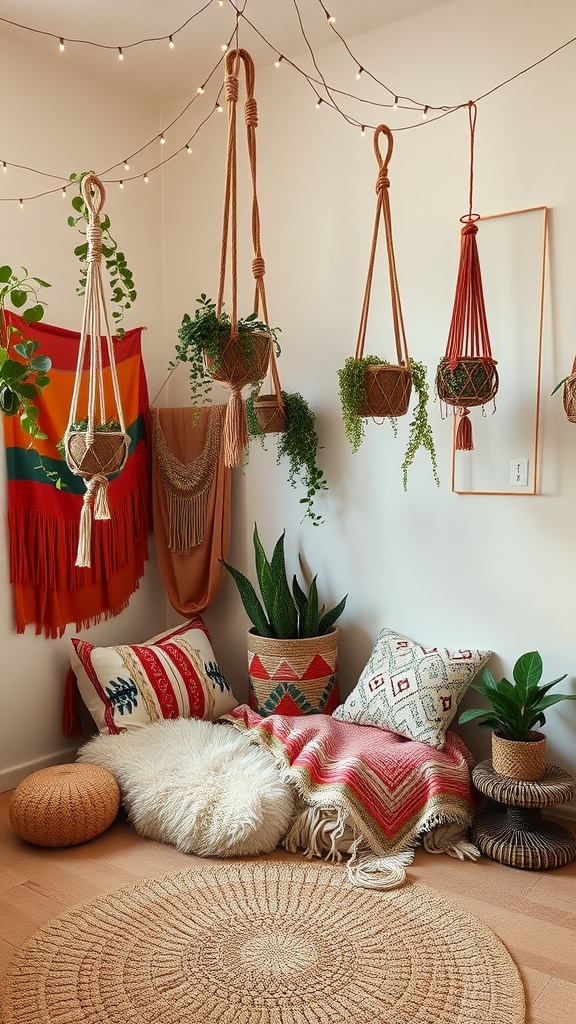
197 785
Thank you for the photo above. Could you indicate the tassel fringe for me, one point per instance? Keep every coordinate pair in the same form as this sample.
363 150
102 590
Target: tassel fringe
235 430
464 442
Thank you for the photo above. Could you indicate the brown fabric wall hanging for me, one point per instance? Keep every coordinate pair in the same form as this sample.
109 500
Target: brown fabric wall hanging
191 487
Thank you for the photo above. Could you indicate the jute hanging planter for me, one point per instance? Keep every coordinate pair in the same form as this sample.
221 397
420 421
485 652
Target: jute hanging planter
466 375
94 453
569 394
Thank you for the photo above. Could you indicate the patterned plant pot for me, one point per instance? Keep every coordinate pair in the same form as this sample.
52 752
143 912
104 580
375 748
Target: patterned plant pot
293 677
569 397
520 759
388 390
271 418
242 364
471 382
104 453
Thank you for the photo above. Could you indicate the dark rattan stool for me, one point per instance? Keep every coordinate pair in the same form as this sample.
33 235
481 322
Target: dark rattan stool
517 835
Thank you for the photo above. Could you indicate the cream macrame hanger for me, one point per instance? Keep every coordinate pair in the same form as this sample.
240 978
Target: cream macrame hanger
94 453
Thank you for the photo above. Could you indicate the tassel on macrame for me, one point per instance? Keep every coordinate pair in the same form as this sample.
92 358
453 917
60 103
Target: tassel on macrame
467 374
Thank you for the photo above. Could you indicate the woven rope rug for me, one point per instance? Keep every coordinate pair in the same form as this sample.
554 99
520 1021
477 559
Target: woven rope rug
263 943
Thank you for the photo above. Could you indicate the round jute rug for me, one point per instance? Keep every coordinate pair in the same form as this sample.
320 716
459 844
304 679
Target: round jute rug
264 943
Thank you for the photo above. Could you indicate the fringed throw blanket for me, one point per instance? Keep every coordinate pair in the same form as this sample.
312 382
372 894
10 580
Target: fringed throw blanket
45 498
367 792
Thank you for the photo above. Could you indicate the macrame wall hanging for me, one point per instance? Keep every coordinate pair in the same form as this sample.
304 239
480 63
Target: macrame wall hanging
467 376
388 386
238 368
95 442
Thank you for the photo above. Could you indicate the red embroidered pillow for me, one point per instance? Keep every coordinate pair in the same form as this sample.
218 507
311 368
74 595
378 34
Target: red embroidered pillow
173 675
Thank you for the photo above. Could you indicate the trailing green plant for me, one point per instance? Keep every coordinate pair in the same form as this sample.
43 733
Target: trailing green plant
352 389
199 343
298 444
23 368
463 378
123 292
515 708
285 613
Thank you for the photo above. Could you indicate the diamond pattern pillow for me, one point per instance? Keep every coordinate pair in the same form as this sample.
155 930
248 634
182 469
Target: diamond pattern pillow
411 690
173 675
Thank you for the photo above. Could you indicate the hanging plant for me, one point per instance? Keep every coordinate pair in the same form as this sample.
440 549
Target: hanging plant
569 394
23 368
298 444
353 392
123 292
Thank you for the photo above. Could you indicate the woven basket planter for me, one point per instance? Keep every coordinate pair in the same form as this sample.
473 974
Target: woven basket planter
235 368
569 397
293 677
471 382
104 453
520 759
271 418
388 390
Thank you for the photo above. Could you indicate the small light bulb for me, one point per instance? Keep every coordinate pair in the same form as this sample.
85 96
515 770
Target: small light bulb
279 61
219 107
200 90
425 113
63 193
170 42
162 140
126 165
320 101
331 18
221 2
120 54
21 203
224 47
4 167
146 178
363 131
188 148
121 184
395 104
61 46
359 72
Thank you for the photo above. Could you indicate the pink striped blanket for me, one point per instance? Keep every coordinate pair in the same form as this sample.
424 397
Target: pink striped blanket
364 788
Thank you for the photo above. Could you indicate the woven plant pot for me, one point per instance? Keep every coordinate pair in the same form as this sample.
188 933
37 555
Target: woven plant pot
271 418
471 382
105 453
569 397
388 391
520 759
293 677
235 368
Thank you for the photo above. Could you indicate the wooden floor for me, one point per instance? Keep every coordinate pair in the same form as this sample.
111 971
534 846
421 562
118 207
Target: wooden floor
534 913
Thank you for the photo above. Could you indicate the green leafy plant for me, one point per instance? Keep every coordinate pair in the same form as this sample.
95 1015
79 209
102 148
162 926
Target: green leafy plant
515 708
199 344
298 444
467 378
123 292
285 613
23 369
352 388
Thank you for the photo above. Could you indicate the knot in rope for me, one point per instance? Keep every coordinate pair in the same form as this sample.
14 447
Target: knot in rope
251 112
258 267
93 485
382 181
231 88
470 228
94 238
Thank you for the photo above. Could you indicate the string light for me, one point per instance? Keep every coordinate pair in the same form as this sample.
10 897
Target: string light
121 184
395 104
359 72
330 17
170 42
63 193
162 140
188 148
425 113
21 203
126 165
120 54
146 178
319 103
224 47
200 90
278 62
363 130
219 107
4 167
61 46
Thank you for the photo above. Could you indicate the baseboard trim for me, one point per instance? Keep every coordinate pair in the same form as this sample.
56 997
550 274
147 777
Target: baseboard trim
10 777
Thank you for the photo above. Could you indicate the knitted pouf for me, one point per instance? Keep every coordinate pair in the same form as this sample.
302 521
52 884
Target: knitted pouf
64 805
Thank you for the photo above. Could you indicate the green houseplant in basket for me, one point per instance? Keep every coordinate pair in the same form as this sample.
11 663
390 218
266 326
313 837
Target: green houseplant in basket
293 642
352 388
516 709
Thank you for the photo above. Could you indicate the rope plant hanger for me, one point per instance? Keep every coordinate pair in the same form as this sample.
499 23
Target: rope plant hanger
101 449
467 376
242 361
388 386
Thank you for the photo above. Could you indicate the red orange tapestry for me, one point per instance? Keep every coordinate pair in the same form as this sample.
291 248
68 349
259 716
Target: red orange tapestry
49 590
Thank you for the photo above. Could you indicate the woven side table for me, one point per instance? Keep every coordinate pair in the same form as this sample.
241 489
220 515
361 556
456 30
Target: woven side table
517 835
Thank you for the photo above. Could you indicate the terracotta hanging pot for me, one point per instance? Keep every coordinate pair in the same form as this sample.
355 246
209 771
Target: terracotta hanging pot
569 398
472 381
241 364
102 454
293 677
271 417
388 390
520 759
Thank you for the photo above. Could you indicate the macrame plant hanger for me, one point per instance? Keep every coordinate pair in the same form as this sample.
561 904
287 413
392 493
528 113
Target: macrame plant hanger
388 386
236 369
467 374
94 453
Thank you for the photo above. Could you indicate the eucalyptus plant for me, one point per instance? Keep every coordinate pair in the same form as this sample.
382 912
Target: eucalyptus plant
352 389
23 368
298 444
123 292
285 613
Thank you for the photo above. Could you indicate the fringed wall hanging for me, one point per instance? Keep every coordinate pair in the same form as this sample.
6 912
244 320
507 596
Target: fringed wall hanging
466 375
238 367
95 445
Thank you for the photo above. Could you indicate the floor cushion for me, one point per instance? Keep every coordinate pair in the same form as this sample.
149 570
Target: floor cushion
64 805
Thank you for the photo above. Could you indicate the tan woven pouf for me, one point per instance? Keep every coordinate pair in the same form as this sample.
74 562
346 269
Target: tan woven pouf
64 805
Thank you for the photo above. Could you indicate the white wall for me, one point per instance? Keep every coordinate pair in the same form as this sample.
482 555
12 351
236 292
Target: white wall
60 120
449 570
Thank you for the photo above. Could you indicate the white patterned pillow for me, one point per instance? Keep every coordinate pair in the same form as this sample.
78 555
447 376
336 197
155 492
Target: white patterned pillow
411 690
173 675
